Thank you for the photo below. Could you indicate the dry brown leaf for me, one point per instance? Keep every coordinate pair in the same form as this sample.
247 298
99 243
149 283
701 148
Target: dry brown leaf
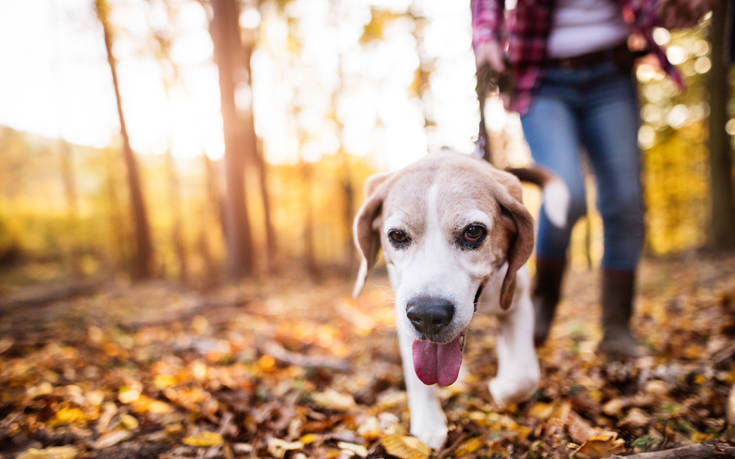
600 445
614 407
636 417
405 447
579 429
203 439
55 452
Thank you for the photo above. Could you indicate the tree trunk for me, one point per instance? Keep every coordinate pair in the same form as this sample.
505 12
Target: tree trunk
70 193
270 234
143 262
227 53
257 156
177 236
720 160
308 233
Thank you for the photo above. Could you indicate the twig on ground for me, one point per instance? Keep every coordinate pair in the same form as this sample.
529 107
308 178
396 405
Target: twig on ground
700 451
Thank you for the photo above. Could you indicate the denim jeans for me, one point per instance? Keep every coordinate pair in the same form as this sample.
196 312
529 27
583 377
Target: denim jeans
592 110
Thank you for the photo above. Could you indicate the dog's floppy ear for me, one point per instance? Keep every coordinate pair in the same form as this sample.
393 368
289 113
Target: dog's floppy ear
367 238
509 194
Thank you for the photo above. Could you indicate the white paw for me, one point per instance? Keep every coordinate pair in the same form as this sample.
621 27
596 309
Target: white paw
512 389
433 432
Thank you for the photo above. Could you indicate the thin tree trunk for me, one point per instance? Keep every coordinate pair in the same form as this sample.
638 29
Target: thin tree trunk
271 244
227 50
720 160
177 236
257 157
308 233
143 262
70 193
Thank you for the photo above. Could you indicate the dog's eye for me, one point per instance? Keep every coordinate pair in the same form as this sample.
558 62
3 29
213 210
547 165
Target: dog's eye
398 238
472 236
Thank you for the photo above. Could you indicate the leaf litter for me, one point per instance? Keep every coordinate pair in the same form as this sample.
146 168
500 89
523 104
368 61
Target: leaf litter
292 370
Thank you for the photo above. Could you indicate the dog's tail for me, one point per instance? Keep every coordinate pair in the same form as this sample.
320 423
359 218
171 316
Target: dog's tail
556 194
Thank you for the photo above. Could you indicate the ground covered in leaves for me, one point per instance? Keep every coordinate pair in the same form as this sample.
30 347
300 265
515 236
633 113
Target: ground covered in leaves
289 369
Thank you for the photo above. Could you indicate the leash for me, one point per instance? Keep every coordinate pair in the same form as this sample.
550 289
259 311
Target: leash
488 80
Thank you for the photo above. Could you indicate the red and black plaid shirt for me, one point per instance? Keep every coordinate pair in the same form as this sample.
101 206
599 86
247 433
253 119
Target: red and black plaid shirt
525 31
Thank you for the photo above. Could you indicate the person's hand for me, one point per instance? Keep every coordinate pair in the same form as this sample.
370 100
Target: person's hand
489 52
678 14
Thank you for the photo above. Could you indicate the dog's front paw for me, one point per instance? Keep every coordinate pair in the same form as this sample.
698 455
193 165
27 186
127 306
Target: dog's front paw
508 390
433 432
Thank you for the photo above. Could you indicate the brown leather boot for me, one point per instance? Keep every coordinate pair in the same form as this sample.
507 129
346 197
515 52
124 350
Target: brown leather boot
546 292
618 289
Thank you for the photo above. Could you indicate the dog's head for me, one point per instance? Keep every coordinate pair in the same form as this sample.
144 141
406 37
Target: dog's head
453 230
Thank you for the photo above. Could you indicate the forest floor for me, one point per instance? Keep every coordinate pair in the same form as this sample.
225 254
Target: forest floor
291 369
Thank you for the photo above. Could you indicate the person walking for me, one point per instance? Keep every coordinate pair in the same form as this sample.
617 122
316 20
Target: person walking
574 89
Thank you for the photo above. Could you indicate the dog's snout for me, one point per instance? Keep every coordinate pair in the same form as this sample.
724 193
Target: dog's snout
429 315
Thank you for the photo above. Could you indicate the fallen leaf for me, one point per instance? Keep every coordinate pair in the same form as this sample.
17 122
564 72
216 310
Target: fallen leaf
54 452
405 447
541 410
279 448
469 446
369 428
614 407
579 429
334 400
129 422
598 446
636 417
352 448
203 439
111 439
67 416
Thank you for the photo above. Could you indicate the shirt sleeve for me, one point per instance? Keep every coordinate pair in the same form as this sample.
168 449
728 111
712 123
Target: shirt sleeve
487 20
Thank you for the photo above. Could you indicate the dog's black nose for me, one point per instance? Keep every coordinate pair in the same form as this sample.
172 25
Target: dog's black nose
429 315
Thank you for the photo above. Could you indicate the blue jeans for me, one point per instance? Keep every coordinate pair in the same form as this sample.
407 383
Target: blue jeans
594 109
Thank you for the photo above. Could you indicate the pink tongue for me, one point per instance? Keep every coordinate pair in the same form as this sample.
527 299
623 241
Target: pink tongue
435 362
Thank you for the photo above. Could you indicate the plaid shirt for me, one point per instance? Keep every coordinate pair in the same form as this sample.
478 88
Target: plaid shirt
526 32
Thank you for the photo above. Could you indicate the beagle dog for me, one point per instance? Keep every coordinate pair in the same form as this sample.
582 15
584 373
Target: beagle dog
455 237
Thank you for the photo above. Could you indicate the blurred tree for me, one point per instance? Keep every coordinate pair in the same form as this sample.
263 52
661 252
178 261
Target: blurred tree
163 39
254 147
720 147
228 54
142 266
72 203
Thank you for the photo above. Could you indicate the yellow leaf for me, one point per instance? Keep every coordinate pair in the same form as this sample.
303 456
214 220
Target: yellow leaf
67 416
541 410
164 381
699 437
129 422
203 439
405 447
55 452
469 446
266 363
308 438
